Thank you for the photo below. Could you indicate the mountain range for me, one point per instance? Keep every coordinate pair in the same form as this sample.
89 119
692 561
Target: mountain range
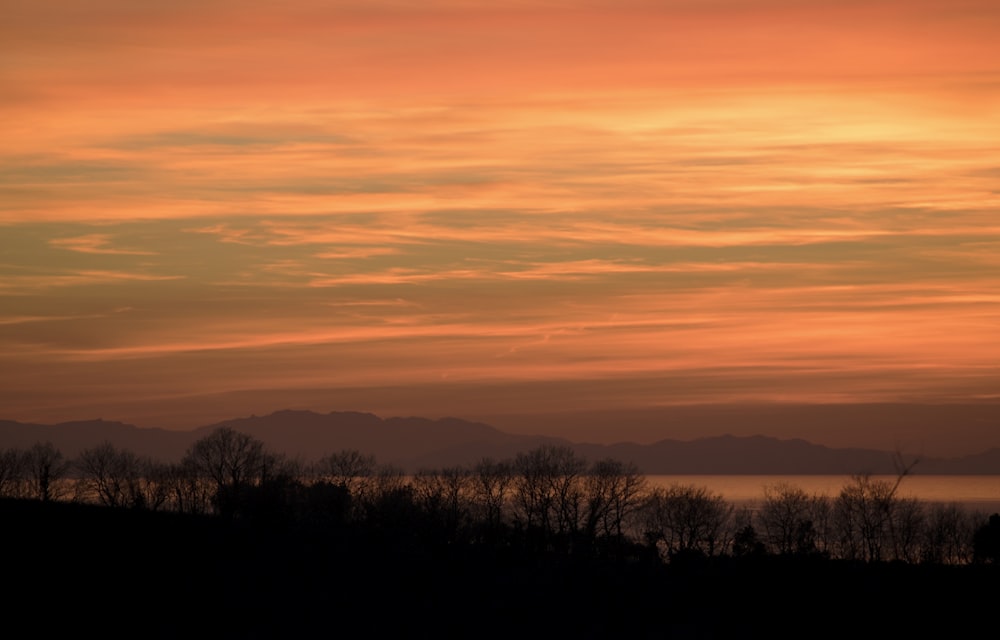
413 443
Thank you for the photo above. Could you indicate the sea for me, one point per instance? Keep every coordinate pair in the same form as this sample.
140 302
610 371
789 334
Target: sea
973 492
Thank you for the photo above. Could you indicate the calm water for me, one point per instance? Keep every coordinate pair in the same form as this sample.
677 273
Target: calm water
976 492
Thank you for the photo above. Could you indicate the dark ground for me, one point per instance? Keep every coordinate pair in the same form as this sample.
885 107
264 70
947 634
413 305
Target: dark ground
72 570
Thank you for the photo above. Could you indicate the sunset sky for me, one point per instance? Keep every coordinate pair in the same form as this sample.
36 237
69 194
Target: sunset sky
214 208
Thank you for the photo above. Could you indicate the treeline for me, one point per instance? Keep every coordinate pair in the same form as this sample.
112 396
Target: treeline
547 499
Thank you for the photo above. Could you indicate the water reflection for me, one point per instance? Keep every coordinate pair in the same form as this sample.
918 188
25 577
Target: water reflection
978 492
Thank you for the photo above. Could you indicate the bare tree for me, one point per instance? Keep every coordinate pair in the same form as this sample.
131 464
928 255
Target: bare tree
949 534
186 490
490 488
229 458
108 475
348 468
233 462
118 478
866 515
391 502
12 473
986 540
792 521
152 487
685 518
388 485
388 478
46 471
446 495
907 527
548 492
870 517
614 490
744 539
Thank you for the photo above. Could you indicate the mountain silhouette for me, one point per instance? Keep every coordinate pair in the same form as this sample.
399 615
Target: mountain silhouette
72 437
413 443
409 442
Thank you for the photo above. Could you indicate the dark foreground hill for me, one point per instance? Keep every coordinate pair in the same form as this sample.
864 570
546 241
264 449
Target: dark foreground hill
413 443
73 570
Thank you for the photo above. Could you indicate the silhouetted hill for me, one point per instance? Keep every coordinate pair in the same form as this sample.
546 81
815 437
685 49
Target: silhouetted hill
745 455
413 443
409 442
986 463
73 437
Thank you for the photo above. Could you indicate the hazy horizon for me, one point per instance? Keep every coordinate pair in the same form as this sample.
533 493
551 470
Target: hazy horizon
516 212
945 430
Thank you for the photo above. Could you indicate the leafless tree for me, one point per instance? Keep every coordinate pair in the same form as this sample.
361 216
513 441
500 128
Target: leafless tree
445 494
388 479
548 492
866 516
107 475
348 468
792 521
229 458
490 489
12 473
684 518
46 471
152 489
614 491
907 526
186 490
236 465
949 533
869 516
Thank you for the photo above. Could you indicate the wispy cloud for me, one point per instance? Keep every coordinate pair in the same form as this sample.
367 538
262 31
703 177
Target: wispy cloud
12 320
31 283
357 253
749 200
98 243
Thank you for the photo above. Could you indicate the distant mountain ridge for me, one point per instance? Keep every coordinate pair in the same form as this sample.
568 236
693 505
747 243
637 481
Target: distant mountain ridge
414 443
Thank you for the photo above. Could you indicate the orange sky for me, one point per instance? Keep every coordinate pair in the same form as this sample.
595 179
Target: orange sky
642 203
